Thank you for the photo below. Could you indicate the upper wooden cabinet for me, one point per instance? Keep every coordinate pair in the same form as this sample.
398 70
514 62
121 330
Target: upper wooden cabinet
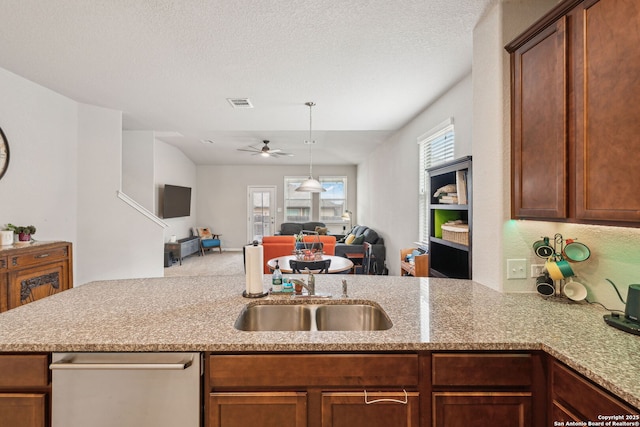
574 113
608 119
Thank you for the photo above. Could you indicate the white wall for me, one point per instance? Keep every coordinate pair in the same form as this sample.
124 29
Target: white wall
39 187
222 195
174 168
63 175
138 167
114 240
388 179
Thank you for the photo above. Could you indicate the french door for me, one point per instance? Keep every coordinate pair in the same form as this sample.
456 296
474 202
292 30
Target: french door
261 211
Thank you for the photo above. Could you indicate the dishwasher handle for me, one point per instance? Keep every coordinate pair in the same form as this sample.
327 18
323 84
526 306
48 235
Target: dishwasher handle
70 364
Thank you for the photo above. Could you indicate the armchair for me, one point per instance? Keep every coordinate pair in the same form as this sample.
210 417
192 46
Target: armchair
208 240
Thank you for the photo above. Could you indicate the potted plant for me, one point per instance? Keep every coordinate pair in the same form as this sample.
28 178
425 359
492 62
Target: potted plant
24 232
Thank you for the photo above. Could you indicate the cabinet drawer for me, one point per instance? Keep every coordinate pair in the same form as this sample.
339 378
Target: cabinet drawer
451 369
29 370
38 257
587 399
301 370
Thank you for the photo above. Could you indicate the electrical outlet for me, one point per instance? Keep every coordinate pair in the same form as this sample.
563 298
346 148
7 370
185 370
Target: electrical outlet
516 269
536 269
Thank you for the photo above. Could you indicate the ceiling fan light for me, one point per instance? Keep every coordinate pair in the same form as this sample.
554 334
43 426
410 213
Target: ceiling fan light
311 186
265 154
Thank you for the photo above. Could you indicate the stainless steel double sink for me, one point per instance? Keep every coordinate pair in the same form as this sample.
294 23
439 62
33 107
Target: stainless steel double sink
313 317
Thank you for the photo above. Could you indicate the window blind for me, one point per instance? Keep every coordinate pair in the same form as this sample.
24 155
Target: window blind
435 147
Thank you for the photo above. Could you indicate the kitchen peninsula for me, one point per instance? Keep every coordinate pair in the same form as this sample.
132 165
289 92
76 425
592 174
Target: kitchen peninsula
431 317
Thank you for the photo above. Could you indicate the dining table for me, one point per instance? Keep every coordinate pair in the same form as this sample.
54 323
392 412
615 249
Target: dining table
338 264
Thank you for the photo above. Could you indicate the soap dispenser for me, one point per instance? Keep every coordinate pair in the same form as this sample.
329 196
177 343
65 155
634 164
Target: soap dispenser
276 279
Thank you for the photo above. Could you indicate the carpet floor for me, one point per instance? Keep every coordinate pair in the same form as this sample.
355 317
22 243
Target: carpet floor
227 263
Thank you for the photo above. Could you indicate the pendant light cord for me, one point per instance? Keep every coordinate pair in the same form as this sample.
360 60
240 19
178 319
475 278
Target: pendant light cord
311 142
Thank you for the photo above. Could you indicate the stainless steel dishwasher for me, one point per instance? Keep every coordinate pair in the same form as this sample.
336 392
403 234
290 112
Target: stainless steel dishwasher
126 389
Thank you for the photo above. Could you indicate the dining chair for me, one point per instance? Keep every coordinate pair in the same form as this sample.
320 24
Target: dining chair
298 267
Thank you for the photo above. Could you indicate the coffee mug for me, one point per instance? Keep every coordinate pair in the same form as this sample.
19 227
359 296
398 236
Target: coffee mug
575 291
544 285
558 269
542 248
575 251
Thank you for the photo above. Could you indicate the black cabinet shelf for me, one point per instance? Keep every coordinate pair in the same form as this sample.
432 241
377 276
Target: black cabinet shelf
448 207
447 258
458 246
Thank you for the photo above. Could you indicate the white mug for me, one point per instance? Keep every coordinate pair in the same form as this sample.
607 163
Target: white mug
6 237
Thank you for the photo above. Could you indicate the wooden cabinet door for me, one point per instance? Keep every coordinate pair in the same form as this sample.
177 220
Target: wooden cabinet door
607 94
259 409
32 284
376 409
539 122
4 292
582 399
481 409
22 409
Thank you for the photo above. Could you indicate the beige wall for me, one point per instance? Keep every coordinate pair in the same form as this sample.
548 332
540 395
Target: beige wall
388 179
222 195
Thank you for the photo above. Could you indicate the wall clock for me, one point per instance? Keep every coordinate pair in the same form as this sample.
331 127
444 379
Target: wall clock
4 153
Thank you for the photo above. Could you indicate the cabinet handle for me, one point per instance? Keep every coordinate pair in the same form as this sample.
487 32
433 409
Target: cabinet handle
41 256
69 364
369 402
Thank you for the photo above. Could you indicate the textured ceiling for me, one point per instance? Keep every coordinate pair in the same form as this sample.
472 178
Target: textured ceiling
169 65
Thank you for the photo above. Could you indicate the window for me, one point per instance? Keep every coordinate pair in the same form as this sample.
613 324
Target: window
333 202
297 204
304 207
436 146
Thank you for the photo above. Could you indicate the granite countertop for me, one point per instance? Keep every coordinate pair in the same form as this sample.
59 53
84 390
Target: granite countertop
198 313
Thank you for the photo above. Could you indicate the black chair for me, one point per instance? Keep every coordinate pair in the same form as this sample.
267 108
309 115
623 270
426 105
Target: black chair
300 266
365 263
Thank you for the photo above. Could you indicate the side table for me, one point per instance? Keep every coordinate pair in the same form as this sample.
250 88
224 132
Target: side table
183 247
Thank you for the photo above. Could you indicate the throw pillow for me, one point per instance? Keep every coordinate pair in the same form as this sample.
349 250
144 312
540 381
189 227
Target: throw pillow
205 233
358 240
321 230
350 238
370 236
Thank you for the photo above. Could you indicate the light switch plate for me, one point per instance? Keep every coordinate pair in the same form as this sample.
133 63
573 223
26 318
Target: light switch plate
516 269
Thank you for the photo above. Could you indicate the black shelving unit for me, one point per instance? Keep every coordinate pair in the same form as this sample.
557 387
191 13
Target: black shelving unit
448 258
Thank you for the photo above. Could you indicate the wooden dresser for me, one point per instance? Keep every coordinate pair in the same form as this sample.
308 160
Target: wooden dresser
29 273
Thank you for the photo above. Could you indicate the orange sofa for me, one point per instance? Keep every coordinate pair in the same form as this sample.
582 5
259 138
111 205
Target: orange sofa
328 243
277 246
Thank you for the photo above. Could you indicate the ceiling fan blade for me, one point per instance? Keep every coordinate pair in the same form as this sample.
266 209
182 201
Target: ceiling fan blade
281 154
252 150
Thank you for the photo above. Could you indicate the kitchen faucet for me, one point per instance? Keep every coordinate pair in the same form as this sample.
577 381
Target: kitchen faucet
310 286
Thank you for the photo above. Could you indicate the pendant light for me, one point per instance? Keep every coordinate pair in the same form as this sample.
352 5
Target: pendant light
310 185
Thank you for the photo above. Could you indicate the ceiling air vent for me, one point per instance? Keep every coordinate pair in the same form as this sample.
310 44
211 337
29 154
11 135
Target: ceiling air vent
240 102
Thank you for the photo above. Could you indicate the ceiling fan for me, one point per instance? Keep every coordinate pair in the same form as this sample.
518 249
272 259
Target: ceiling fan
265 151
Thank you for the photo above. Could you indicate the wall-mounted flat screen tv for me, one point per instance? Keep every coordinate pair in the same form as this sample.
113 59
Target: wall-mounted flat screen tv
177 201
